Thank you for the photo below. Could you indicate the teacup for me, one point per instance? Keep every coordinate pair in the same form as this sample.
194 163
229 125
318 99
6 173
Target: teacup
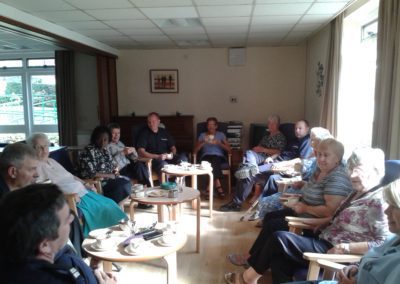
292 201
168 238
104 242
170 156
210 138
137 187
205 164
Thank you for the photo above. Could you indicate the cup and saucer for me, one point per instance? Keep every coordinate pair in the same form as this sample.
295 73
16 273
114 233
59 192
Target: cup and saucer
138 247
103 243
168 240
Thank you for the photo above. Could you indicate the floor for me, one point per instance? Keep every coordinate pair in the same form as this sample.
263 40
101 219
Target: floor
222 234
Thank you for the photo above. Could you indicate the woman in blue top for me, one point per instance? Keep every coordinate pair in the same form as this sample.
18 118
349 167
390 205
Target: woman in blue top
213 145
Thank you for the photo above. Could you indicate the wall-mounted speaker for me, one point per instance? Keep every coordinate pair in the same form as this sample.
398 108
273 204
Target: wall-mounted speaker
237 56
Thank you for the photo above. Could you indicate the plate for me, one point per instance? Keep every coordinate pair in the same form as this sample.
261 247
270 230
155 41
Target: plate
156 193
96 248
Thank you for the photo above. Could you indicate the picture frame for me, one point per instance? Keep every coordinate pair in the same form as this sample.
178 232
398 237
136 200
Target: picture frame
164 81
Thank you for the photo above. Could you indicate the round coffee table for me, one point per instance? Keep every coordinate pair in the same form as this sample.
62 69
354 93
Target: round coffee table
193 172
118 254
187 194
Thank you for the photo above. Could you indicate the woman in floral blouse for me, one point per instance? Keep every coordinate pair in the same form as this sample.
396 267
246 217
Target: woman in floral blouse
358 224
96 162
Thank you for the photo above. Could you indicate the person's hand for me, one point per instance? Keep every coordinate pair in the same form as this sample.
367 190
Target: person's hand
128 150
162 156
298 184
348 275
338 249
299 207
258 149
104 278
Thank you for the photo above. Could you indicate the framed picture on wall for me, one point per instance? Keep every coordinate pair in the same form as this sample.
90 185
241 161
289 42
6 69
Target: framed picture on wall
164 81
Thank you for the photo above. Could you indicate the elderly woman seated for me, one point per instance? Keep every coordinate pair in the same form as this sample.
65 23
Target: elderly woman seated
213 145
272 202
98 211
358 224
96 162
379 264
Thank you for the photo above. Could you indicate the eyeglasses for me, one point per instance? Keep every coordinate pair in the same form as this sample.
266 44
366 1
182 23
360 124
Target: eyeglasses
42 147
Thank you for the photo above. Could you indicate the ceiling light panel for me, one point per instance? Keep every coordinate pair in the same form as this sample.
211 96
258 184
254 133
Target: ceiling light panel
225 11
38 5
116 14
180 31
64 16
281 9
170 12
100 4
126 24
326 8
161 3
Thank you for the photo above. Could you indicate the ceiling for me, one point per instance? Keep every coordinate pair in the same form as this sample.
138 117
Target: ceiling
143 24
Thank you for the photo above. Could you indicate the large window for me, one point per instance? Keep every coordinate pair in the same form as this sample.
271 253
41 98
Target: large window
357 79
27 98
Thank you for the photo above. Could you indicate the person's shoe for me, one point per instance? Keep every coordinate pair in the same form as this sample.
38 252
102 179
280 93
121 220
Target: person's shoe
144 206
231 206
254 216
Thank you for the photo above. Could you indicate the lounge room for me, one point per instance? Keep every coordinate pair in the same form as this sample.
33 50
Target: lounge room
195 70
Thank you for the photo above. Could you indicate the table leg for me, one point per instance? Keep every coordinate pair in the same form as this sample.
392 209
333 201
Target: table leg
172 274
211 186
107 266
198 225
162 177
194 181
132 210
173 214
160 213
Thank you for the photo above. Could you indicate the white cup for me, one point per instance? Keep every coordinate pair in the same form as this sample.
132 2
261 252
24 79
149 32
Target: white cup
170 156
104 242
292 200
137 187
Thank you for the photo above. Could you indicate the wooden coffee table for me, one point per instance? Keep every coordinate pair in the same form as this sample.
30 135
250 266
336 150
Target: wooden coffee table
187 194
118 254
193 172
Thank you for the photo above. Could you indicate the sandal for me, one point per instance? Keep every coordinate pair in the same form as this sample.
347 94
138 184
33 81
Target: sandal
234 278
238 259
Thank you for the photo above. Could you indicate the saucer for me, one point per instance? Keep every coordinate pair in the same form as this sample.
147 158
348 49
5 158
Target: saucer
96 248
156 193
144 247
161 242
102 232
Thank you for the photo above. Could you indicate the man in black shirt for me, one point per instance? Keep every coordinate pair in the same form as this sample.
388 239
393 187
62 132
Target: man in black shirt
157 144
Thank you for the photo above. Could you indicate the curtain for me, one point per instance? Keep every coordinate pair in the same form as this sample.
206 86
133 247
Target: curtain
386 129
65 87
328 115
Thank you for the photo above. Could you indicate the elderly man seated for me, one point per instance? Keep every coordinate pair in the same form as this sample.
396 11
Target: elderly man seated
259 159
35 223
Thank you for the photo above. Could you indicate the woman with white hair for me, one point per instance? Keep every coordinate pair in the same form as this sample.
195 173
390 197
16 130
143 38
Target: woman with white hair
358 225
98 211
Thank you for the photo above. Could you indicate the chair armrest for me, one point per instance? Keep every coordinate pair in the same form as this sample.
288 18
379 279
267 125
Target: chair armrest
330 265
96 181
296 227
71 201
340 258
299 219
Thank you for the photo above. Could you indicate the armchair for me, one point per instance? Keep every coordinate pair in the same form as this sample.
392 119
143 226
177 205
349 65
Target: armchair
226 166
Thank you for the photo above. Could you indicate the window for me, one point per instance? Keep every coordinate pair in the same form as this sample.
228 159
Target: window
357 78
28 98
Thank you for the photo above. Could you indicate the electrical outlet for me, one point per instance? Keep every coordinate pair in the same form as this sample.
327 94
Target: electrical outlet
233 100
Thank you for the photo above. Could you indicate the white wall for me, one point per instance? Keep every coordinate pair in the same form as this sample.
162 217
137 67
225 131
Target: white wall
86 93
272 81
317 51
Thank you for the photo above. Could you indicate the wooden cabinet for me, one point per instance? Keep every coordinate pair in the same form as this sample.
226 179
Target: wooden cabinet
180 128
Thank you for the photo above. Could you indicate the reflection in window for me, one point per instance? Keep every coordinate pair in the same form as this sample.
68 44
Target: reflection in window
11 100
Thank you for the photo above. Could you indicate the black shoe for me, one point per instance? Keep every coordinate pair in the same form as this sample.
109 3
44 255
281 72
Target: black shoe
231 206
144 206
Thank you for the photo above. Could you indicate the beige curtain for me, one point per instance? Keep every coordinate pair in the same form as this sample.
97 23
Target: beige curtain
386 130
328 115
